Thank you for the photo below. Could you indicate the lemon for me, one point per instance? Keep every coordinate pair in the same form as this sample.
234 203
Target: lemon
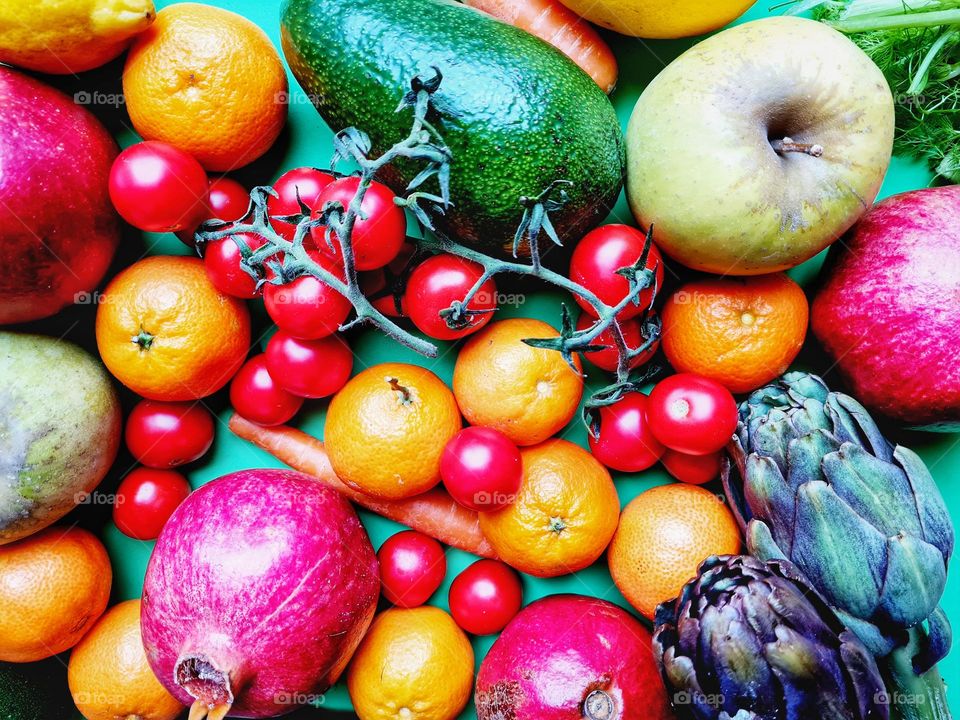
413 664
69 36
660 18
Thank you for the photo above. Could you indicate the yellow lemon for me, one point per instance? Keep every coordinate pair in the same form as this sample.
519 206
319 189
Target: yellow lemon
69 36
658 18
413 664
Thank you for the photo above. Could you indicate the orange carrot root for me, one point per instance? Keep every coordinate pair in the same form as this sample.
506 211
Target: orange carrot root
433 513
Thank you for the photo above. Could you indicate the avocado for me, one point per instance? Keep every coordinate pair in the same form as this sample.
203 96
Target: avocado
35 691
516 113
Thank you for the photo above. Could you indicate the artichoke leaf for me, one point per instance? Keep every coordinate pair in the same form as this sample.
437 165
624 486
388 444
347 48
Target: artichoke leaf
813 684
770 438
770 498
876 490
842 554
805 455
760 542
853 423
870 635
935 642
914 581
932 511
737 655
867 681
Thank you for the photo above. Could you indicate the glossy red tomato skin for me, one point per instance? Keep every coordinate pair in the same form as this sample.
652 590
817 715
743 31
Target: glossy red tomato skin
306 307
309 183
256 396
625 442
692 414
412 567
221 259
377 238
226 200
165 435
439 281
157 188
146 499
309 368
481 468
609 358
485 597
692 469
597 258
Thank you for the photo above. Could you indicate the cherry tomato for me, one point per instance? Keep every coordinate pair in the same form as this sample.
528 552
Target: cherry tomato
226 200
625 442
158 188
608 359
221 258
600 254
692 469
168 434
306 307
309 368
485 597
481 468
257 396
379 236
308 183
146 499
439 281
412 567
692 414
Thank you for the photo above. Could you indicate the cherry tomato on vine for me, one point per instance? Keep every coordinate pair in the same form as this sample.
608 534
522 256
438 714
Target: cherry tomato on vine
308 183
377 237
221 259
167 434
256 396
481 468
146 499
600 254
608 359
226 200
158 188
306 307
439 281
374 283
624 441
412 567
309 368
692 469
485 597
692 414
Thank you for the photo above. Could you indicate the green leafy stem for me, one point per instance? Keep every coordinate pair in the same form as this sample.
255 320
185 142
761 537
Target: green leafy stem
280 260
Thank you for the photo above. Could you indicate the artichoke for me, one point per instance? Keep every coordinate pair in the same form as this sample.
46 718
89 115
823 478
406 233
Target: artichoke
814 481
748 640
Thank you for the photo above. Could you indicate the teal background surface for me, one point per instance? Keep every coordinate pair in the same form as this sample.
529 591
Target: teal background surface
307 141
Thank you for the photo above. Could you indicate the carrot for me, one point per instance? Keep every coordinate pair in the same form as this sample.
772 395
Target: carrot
433 513
554 22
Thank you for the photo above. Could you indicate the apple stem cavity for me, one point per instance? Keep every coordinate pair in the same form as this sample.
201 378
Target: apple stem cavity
598 706
788 145
206 682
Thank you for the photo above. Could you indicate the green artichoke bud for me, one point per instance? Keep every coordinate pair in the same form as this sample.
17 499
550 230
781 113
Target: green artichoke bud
748 640
814 481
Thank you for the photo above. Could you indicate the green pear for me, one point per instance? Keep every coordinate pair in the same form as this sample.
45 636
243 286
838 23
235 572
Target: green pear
59 430
759 146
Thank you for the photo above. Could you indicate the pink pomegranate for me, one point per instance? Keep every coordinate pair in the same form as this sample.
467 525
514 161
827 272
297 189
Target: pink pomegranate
888 312
258 591
570 657
58 230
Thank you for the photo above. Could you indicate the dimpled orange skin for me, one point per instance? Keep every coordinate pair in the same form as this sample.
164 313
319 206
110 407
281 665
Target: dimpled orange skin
741 332
413 664
109 676
663 536
527 393
564 515
199 336
209 82
53 587
386 429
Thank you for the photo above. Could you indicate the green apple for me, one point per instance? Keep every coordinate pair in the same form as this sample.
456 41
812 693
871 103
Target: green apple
759 146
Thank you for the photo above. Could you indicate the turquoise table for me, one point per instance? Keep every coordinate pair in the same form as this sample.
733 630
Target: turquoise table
307 141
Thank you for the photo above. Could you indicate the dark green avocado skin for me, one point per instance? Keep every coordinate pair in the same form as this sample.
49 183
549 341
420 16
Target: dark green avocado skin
516 113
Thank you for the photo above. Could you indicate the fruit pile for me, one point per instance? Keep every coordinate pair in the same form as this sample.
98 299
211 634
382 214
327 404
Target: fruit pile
543 459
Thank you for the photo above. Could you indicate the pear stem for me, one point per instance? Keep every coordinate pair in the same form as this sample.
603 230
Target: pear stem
787 145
